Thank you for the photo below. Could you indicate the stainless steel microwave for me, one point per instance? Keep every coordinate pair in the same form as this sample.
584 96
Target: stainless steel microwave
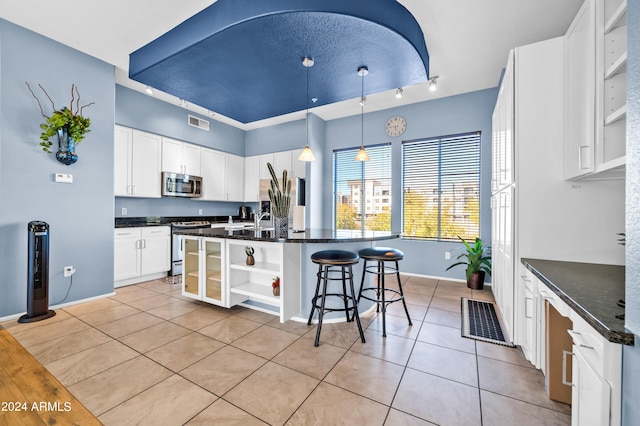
180 185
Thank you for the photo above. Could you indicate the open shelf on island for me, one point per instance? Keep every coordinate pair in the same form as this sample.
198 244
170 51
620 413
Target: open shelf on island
258 267
261 292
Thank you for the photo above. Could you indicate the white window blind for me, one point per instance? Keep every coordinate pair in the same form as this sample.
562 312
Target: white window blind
441 187
362 189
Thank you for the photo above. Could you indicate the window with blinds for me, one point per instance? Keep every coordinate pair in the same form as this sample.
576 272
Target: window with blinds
441 187
362 189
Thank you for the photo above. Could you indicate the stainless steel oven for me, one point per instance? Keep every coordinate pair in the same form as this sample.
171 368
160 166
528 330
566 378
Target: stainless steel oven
176 242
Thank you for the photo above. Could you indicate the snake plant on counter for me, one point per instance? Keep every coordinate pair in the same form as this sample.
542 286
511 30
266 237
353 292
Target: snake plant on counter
280 196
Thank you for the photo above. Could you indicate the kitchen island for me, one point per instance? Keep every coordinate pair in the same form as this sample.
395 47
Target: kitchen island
216 268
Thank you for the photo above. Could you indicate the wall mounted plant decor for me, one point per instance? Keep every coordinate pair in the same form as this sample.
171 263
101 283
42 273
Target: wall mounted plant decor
68 124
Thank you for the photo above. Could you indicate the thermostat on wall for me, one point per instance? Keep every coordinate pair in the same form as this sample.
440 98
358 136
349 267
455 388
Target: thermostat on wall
64 178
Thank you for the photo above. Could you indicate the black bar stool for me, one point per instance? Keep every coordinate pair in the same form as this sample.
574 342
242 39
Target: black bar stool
337 263
381 255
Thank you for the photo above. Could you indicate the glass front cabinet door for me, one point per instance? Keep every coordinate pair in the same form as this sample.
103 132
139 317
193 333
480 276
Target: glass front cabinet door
203 272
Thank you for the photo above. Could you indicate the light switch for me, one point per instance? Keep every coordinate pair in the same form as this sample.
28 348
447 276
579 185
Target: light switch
64 178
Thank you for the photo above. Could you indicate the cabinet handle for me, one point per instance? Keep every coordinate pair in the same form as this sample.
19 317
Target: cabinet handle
581 157
133 190
144 244
525 307
564 368
574 335
129 189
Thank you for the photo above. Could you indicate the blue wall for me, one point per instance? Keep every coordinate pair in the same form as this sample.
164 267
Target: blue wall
456 114
631 354
79 214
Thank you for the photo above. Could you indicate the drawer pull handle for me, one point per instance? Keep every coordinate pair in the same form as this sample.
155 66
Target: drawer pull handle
574 335
564 368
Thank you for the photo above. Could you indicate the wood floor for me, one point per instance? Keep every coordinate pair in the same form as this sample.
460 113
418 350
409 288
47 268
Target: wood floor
30 395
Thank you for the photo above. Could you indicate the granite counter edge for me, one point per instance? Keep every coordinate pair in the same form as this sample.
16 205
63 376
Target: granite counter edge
613 336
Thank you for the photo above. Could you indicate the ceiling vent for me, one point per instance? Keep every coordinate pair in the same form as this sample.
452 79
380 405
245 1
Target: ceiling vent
198 122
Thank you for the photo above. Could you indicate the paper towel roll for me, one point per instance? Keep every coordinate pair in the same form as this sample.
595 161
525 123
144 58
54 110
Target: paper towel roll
298 218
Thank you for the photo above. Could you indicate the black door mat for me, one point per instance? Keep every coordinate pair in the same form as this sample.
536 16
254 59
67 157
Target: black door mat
480 321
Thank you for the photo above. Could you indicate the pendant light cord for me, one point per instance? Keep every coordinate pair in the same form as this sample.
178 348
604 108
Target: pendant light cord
307 115
362 113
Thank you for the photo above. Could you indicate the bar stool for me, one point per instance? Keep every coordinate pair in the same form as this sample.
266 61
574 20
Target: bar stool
335 265
381 255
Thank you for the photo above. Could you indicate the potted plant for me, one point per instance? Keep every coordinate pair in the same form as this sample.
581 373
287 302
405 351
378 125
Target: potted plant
249 252
68 124
280 197
478 262
275 284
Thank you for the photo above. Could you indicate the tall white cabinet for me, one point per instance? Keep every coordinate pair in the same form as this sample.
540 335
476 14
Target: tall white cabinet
541 214
527 161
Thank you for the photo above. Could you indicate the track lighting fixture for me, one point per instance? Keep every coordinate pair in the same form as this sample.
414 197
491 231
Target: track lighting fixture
149 90
433 83
399 93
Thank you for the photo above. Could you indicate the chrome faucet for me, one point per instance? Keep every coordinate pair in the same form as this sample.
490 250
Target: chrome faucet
257 217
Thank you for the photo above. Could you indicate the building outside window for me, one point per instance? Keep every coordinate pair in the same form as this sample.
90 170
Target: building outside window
358 187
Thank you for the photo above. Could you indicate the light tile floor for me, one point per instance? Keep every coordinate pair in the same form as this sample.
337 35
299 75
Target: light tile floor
150 356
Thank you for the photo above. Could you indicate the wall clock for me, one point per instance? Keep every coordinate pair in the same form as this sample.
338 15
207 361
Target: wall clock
396 126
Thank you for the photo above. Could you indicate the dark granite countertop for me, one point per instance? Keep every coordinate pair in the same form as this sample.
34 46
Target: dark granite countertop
308 236
591 290
135 222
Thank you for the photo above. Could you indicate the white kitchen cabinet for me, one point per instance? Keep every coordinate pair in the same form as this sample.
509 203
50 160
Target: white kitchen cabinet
137 159
180 157
203 272
596 378
527 153
141 254
529 339
289 160
580 92
252 178
234 178
222 176
596 58
264 170
214 175
250 285
612 62
126 254
503 130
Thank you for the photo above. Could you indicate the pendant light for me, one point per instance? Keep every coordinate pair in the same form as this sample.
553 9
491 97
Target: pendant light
362 154
306 154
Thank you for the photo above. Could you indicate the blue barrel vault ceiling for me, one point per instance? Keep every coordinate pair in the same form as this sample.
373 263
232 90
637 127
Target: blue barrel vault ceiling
243 58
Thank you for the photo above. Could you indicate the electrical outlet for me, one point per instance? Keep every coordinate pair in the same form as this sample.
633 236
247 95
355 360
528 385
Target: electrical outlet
200 212
69 270
447 255
124 211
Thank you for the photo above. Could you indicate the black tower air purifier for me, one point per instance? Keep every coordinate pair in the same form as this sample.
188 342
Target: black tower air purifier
38 274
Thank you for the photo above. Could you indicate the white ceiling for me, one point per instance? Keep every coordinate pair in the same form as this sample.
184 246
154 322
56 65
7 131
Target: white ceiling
468 40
